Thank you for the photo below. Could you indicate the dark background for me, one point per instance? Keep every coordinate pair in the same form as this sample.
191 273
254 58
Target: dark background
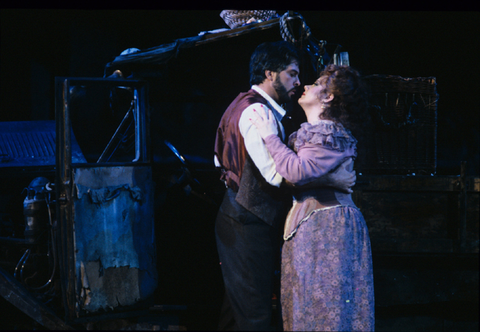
37 45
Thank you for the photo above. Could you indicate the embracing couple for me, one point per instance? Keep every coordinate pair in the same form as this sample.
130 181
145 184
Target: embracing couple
326 265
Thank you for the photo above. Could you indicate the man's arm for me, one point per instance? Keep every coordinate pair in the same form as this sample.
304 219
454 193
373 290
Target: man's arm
343 178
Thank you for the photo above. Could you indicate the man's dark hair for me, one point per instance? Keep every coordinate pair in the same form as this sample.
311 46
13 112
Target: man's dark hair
274 56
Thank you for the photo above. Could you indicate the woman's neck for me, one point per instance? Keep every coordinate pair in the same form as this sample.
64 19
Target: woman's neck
313 114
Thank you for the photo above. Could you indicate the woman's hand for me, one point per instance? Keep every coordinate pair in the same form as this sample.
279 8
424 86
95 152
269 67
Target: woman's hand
265 123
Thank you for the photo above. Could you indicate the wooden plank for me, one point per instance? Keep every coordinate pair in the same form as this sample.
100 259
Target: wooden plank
414 183
420 214
16 294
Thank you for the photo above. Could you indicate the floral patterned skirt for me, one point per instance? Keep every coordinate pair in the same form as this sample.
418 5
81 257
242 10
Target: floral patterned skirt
327 275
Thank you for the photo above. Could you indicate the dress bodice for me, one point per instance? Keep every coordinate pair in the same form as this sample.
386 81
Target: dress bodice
308 199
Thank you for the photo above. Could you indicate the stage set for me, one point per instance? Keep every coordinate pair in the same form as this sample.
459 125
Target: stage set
108 190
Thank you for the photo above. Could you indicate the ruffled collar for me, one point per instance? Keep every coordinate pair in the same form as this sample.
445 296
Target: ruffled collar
323 126
327 133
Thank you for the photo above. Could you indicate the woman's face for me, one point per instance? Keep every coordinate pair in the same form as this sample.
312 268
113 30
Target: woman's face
313 94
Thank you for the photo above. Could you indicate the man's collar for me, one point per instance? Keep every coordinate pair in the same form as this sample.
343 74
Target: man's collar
270 100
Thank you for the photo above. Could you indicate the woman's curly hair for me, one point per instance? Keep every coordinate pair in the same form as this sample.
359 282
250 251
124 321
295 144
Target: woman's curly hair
349 105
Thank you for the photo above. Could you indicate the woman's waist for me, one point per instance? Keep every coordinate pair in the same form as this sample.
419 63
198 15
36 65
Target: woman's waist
325 197
311 201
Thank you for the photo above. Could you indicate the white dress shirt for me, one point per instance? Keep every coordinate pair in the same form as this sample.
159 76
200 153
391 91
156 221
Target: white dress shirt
253 141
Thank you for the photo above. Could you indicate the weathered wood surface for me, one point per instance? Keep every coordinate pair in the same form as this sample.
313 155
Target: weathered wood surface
420 214
19 296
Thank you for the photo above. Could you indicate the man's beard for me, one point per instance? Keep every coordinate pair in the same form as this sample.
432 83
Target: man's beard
283 96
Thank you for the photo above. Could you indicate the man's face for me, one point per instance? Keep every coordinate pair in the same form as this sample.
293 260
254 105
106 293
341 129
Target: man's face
286 82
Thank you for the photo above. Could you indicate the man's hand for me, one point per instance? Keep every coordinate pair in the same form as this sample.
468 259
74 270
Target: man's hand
343 178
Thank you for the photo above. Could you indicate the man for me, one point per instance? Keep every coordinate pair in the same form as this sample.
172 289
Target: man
256 203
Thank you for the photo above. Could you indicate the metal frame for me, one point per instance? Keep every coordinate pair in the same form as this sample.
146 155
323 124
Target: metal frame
64 170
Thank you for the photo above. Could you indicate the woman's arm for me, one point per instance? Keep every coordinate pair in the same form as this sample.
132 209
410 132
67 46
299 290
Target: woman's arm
311 161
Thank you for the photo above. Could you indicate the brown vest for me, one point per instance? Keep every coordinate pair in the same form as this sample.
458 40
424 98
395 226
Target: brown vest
254 193
229 144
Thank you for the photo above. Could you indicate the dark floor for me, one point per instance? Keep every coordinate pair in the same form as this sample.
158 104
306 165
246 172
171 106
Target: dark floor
441 317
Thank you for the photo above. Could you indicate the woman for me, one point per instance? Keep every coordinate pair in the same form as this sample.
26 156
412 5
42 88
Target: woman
327 277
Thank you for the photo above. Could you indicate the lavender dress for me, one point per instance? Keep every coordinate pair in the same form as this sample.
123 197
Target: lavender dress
327 276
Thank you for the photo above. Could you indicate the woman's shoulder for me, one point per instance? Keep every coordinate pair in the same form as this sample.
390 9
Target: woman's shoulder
326 133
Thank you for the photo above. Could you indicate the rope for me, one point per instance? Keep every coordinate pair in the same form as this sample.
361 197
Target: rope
287 35
314 47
